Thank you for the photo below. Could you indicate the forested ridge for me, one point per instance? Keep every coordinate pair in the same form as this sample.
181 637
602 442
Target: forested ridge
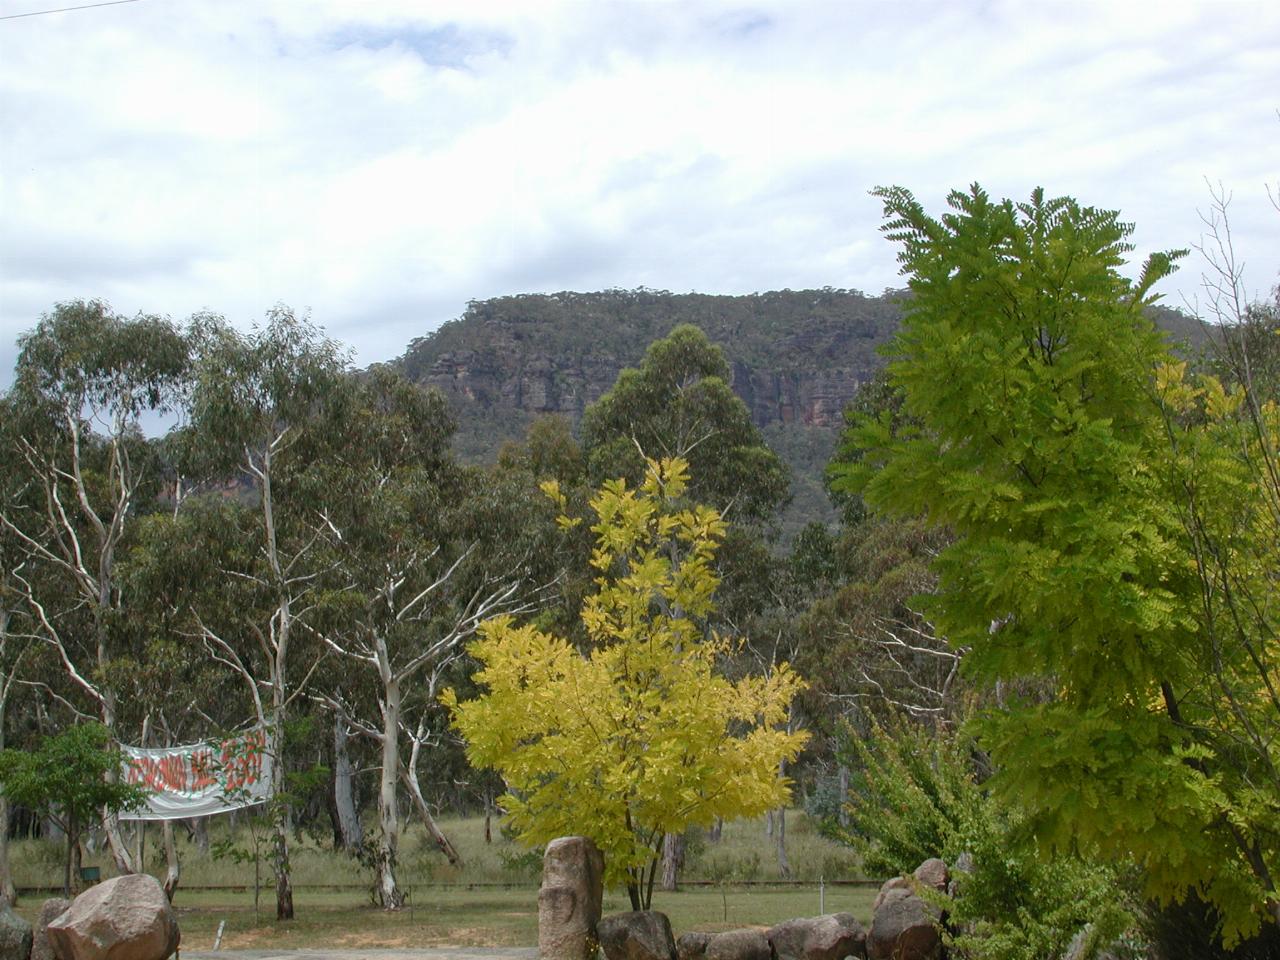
796 359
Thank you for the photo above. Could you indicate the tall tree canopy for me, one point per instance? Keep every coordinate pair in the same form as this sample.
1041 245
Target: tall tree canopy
1034 432
84 471
424 551
678 403
263 406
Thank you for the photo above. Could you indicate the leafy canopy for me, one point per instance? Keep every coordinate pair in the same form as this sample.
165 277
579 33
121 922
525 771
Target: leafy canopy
1032 430
678 404
66 776
637 736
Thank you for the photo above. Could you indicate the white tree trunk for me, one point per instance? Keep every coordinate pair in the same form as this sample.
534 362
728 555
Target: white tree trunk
784 868
433 828
349 829
278 650
280 852
140 841
110 822
388 814
173 869
200 830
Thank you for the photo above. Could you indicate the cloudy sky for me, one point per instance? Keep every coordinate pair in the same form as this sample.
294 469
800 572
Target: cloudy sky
380 163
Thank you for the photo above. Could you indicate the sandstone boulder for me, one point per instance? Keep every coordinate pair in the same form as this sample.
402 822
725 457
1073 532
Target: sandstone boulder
124 918
896 883
569 900
904 927
692 946
746 944
15 935
933 873
833 936
41 948
637 935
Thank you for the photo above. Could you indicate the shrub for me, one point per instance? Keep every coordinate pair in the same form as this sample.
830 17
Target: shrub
912 795
1190 930
916 794
823 802
522 862
1018 906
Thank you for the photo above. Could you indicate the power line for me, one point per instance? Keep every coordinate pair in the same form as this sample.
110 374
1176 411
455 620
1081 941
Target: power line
87 6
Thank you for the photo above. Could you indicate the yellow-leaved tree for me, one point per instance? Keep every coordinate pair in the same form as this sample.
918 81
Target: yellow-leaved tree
638 735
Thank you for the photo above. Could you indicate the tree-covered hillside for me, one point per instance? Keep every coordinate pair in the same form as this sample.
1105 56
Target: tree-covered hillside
796 358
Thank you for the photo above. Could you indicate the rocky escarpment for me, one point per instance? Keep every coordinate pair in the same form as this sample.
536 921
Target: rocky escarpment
812 399
796 359
796 356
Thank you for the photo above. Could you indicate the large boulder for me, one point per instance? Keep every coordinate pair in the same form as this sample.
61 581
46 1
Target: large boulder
637 935
124 918
933 873
692 945
833 936
569 900
894 883
15 935
745 944
904 927
51 909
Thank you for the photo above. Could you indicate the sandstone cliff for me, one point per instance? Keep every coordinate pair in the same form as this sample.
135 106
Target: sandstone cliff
796 356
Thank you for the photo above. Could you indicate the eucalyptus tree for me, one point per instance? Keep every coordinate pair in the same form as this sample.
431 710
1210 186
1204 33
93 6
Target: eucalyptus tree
678 403
13 636
181 694
84 380
414 579
261 406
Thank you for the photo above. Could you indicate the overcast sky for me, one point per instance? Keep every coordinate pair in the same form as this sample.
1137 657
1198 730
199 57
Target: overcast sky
381 163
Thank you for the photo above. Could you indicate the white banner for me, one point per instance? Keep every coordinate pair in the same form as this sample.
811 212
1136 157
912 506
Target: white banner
201 778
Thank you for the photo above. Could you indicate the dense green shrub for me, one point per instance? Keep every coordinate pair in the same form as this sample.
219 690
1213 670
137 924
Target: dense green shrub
915 794
911 797
1016 905
1190 930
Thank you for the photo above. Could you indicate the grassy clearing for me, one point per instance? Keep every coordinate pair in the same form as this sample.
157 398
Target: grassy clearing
459 917
743 853
466 906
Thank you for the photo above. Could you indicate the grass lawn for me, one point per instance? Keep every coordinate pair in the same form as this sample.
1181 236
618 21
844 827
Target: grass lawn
460 917
443 911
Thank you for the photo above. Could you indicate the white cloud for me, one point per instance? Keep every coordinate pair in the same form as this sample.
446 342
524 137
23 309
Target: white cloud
384 162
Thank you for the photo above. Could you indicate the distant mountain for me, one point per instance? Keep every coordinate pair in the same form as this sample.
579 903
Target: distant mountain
797 357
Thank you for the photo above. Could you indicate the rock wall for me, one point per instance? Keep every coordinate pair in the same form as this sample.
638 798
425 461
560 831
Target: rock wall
536 383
